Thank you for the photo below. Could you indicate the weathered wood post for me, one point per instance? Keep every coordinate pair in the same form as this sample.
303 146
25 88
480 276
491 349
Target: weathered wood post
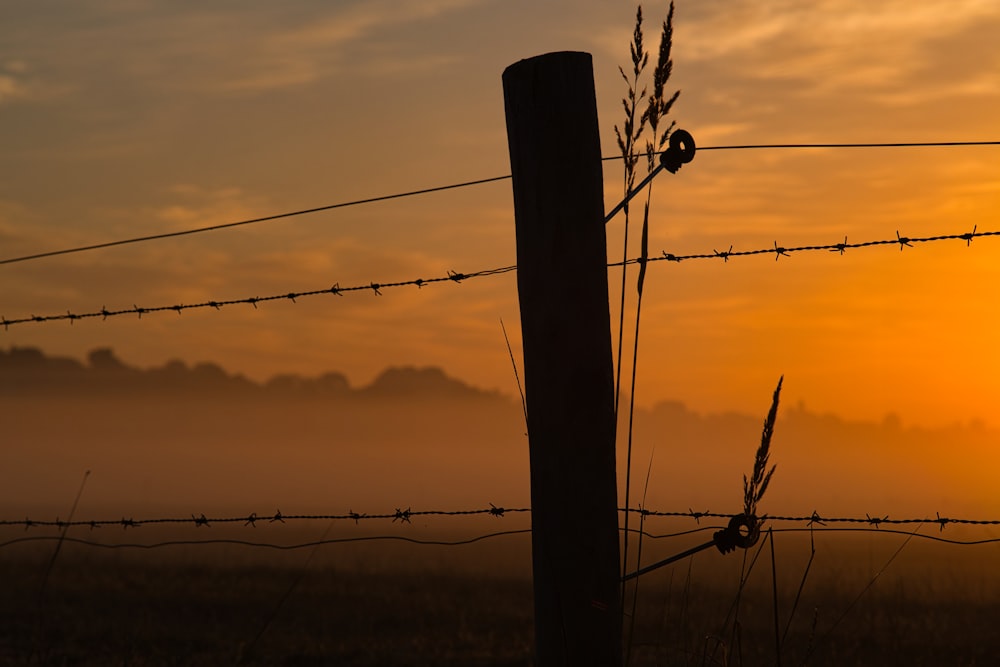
562 284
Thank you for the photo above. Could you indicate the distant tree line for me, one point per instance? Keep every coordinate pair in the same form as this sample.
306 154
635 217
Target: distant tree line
28 371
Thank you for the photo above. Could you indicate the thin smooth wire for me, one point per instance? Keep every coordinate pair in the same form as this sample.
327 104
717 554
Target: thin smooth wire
452 186
446 543
899 144
239 223
266 545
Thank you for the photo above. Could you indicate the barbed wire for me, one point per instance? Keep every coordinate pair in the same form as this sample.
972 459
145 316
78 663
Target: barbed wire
815 519
783 251
336 290
453 276
401 515
406 516
454 186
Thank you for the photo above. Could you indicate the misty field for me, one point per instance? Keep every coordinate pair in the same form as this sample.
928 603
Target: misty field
417 439
390 603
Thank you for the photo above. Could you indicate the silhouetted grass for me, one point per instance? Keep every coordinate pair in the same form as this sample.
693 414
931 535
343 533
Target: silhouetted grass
936 605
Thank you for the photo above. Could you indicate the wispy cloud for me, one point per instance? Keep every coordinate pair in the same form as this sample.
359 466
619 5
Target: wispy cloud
304 53
833 45
19 84
261 48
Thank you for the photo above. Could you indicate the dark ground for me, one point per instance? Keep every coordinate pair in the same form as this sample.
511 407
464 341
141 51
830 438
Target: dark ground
348 607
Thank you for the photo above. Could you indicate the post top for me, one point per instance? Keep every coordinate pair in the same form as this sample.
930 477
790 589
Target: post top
550 59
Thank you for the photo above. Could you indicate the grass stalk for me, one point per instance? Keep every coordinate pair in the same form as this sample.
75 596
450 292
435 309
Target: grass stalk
656 107
802 583
638 558
860 595
627 139
517 378
62 535
245 651
774 599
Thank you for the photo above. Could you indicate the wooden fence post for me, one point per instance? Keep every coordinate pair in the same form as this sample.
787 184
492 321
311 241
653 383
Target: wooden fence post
562 284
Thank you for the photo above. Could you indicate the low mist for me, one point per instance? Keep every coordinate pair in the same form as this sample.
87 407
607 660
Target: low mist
180 440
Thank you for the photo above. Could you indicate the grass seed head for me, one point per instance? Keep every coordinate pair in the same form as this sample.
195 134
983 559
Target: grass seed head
754 488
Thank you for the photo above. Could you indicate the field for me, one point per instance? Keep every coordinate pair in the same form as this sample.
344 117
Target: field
391 603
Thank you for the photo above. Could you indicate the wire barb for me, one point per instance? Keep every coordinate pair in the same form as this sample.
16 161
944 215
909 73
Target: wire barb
971 235
723 255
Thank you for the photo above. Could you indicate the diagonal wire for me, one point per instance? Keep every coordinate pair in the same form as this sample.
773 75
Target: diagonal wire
251 221
452 186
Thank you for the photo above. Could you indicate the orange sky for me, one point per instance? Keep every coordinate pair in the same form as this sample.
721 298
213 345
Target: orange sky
120 120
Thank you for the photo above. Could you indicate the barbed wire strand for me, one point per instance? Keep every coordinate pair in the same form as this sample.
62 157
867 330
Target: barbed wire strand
376 287
406 516
401 515
815 519
336 290
455 186
782 251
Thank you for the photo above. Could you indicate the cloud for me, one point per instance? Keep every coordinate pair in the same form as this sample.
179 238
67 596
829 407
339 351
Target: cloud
305 53
16 85
208 49
832 46
10 88
193 207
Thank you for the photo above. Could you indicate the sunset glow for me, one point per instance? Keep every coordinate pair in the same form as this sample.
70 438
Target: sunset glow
264 392
120 122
